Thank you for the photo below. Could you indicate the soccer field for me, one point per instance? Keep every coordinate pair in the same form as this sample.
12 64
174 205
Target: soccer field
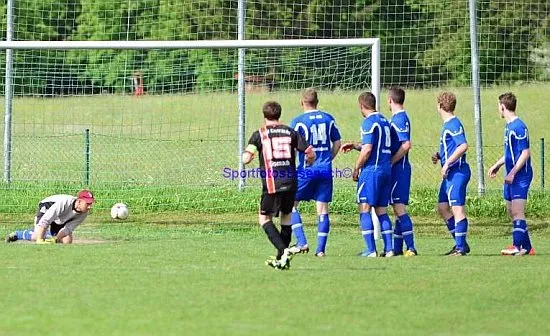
189 260
173 276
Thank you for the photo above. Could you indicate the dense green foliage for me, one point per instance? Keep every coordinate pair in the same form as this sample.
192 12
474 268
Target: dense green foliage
425 42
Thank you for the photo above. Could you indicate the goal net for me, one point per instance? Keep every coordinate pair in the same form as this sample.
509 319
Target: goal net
159 128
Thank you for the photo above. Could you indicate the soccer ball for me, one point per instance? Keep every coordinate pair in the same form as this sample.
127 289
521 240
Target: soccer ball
119 211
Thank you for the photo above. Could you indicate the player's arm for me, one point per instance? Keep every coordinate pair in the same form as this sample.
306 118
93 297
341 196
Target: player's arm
520 163
521 143
42 226
310 155
492 172
435 157
459 151
68 229
336 145
401 152
348 146
335 138
366 150
249 153
303 146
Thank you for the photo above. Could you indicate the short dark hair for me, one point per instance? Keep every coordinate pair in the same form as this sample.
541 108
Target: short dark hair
368 100
309 96
272 110
397 94
447 101
509 101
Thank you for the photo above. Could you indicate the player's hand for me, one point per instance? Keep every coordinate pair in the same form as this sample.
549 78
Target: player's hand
509 178
444 170
41 241
435 158
347 147
492 172
355 175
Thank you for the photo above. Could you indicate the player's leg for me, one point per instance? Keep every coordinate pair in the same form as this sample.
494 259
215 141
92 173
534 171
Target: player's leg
323 228
286 207
60 234
406 229
64 237
302 194
364 196
461 228
403 230
444 209
457 198
286 203
395 198
383 191
445 212
297 228
269 207
386 230
27 234
323 196
516 200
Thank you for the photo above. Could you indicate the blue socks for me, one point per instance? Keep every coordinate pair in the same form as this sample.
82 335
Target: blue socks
461 231
527 241
27 234
297 227
24 234
397 237
367 230
451 226
519 233
407 231
323 228
385 228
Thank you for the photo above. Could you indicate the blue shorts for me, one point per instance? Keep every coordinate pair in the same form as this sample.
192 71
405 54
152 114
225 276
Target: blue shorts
453 187
317 188
400 184
518 189
374 187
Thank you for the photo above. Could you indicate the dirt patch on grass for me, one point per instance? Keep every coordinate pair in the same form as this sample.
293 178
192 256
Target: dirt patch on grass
75 242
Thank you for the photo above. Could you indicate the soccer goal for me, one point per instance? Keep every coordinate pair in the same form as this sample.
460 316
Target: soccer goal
160 125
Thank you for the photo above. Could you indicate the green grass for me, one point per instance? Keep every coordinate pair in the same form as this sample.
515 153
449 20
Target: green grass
177 275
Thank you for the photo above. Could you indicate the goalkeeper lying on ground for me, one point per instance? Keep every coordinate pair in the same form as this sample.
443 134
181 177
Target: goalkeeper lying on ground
61 214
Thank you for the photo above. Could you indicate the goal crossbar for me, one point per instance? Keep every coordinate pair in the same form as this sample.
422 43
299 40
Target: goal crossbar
203 44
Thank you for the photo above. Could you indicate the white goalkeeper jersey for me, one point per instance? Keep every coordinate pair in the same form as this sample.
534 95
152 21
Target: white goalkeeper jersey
59 209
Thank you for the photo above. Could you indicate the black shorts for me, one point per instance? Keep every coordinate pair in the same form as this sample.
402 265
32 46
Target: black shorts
54 228
272 204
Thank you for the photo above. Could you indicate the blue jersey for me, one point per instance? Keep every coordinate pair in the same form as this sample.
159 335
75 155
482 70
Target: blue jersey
516 139
452 136
400 131
319 129
375 130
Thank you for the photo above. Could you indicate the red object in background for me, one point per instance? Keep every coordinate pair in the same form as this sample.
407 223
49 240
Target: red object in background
138 83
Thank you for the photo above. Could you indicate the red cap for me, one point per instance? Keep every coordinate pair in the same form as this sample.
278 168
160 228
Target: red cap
86 195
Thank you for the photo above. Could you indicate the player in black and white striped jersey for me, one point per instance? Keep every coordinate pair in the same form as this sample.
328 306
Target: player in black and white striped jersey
61 214
276 145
